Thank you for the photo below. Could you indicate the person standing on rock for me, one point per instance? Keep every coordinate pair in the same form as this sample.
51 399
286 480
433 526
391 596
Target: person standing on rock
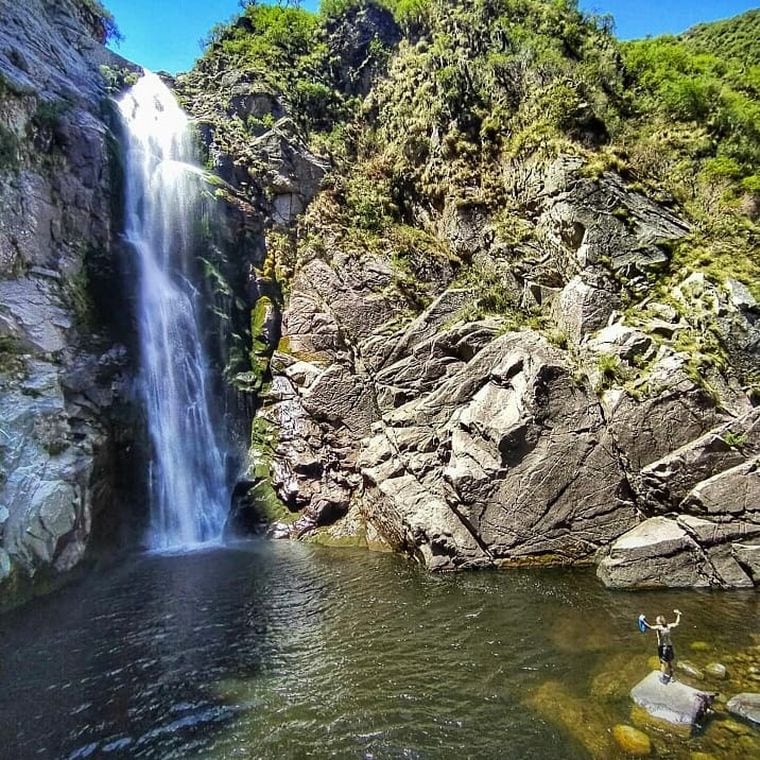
665 649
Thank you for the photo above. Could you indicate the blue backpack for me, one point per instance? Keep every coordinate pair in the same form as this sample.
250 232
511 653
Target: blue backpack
642 624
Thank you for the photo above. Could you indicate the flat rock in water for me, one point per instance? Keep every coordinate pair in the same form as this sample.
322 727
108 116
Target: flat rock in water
673 702
746 706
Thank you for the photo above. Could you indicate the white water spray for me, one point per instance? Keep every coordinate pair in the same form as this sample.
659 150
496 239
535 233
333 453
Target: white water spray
163 206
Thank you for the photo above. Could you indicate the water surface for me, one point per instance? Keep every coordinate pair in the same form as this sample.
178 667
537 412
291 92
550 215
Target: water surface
284 650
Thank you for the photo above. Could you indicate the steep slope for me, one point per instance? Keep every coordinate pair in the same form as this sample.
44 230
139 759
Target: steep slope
526 282
66 425
737 38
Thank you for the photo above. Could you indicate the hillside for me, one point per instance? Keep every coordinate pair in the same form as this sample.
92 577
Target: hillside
737 38
509 272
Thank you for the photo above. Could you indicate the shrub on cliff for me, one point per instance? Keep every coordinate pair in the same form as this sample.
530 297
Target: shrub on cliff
100 20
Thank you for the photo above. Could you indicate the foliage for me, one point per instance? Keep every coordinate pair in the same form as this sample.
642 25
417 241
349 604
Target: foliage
676 83
487 78
694 135
103 23
611 372
735 440
281 47
9 149
477 88
737 38
49 112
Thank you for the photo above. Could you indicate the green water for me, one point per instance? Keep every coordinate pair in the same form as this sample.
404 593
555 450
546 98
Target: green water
282 650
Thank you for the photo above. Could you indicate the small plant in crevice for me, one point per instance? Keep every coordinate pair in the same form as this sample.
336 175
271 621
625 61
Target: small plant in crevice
9 149
734 440
611 372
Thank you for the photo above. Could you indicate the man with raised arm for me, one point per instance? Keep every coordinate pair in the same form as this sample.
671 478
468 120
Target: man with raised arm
664 643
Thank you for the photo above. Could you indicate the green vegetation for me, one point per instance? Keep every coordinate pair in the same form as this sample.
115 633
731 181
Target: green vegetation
9 149
78 294
694 135
282 48
260 348
611 372
11 355
49 112
737 38
735 440
101 21
478 92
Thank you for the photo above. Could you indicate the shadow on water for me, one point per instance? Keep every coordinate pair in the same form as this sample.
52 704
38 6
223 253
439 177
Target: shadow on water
280 650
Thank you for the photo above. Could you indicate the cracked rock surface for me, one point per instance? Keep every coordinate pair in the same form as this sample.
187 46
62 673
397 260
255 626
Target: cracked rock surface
469 443
63 379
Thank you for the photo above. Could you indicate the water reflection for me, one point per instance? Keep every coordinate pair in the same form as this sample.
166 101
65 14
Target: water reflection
289 651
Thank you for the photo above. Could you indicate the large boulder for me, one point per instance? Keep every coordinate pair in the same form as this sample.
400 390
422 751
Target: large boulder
583 308
528 468
672 702
684 552
745 706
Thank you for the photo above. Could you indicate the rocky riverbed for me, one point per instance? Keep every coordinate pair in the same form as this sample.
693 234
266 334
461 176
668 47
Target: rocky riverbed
610 721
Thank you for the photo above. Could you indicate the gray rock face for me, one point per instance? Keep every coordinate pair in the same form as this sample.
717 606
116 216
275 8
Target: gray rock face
519 443
712 486
673 702
61 379
581 308
270 169
746 706
683 552
353 40
587 221
676 481
479 449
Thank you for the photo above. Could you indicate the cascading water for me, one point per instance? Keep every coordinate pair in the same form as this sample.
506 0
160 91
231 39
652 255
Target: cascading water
163 205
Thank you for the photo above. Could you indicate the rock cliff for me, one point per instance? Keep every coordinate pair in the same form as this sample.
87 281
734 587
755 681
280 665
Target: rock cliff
485 349
488 291
66 425
472 443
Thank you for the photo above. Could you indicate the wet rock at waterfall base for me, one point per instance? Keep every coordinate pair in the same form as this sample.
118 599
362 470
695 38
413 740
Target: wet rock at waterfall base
672 702
253 508
746 706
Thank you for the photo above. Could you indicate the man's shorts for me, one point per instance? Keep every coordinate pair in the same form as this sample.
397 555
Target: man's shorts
665 653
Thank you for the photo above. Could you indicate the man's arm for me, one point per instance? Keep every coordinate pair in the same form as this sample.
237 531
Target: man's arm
678 618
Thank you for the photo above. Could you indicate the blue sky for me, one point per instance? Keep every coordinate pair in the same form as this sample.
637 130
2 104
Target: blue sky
165 34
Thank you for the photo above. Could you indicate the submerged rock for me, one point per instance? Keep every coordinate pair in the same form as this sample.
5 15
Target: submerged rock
747 706
690 669
672 702
716 670
632 741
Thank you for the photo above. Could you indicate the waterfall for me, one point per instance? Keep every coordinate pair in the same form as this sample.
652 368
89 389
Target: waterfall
164 204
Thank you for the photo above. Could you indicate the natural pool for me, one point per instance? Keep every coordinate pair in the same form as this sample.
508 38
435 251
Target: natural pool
285 650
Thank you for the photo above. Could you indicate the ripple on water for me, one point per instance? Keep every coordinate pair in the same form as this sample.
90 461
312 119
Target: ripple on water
290 651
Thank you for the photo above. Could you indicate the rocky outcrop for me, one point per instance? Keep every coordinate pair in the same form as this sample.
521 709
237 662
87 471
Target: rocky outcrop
710 488
512 450
358 40
272 171
686 552
64 413
485 444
